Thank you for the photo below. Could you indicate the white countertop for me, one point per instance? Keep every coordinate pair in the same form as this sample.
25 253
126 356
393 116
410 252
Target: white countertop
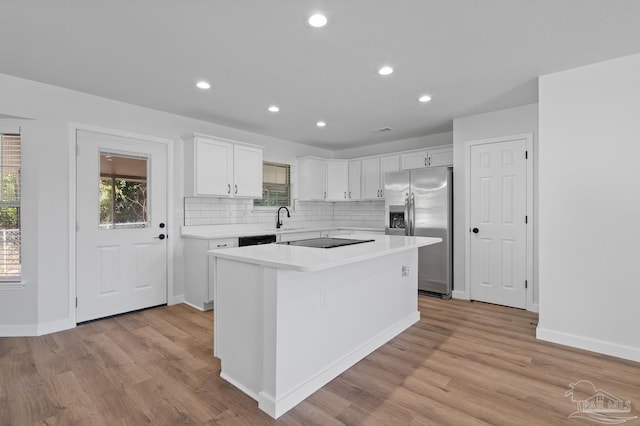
305 259
225 231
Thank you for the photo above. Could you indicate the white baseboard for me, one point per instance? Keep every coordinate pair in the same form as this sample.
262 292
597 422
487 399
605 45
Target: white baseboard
18 330
594 345
276 408
55 326
207 306
175 300
458 294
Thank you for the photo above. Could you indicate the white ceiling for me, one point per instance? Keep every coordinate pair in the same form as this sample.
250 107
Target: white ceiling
471 56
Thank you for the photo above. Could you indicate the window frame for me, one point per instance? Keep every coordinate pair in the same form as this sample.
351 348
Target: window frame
290 204
14 281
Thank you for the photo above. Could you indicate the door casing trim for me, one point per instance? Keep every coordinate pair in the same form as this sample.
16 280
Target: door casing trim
73 129
528 137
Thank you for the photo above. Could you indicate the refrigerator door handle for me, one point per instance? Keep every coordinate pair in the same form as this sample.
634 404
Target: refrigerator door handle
413 214
407 220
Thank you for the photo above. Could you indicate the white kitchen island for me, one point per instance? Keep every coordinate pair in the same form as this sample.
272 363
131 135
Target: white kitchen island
288 319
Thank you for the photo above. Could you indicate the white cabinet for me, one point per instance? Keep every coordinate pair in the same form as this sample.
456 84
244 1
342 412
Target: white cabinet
427 158
247 171
355 180
220 168
373 172
199 273
337 180
312 178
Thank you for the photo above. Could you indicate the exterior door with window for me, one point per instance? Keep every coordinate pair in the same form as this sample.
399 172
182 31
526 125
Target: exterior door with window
498 253
121 225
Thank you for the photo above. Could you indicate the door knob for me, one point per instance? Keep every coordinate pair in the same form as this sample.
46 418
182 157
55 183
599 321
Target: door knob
161 225
161 237
475 230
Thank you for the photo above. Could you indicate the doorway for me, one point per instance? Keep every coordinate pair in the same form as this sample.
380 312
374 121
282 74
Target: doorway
499 221
121 224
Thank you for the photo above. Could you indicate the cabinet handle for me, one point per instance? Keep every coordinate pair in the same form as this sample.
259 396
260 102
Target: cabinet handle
221 245
425 161
325 195
349 194
228 188
429 161
345 195
236 189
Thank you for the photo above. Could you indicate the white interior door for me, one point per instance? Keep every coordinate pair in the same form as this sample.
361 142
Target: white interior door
121 225
498 190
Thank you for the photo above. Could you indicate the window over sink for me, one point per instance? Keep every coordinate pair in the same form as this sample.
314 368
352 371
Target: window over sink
276 185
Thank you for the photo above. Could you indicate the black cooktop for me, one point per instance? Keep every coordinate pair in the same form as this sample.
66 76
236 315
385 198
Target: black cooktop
325 242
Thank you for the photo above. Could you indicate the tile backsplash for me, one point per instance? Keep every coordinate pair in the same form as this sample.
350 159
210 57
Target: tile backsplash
225 211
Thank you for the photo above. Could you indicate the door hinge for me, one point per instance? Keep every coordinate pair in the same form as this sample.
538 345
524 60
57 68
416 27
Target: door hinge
526 219
526 284
76 302
526 155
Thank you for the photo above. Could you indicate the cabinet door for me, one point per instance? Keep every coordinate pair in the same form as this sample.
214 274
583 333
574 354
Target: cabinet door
216 244
388 164
370 178
355 181
441 157
247 172
213 167
337 178
318 179
414 160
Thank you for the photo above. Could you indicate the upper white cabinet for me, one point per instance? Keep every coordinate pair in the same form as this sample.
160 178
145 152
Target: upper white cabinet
337 180
427 158
219 168
312 178
355 180
373 172
247 171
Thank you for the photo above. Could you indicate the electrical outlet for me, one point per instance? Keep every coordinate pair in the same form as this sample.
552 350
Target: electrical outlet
406 271
323 298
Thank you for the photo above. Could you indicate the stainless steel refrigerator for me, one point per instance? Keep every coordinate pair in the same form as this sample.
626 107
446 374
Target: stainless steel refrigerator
419 202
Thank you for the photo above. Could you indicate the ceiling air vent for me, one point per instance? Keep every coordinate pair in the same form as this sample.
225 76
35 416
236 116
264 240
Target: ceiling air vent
382 130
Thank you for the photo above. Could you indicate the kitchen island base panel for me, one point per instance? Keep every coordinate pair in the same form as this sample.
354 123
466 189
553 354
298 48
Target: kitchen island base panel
286 402
283 334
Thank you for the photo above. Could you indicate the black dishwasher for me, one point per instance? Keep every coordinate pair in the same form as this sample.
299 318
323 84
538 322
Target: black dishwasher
255 240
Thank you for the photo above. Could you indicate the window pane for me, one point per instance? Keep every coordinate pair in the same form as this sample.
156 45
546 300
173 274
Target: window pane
276 185
9 243
123 192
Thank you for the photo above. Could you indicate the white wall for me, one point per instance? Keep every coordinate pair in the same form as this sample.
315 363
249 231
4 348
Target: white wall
590 207
44 301
438 139
505 122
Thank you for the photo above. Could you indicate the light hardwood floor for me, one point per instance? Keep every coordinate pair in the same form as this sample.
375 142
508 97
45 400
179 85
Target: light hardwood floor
463 363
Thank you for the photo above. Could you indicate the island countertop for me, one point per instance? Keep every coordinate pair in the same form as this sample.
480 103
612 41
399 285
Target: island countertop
305 259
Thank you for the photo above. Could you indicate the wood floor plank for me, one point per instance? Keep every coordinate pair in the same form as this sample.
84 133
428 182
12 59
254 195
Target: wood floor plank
463 363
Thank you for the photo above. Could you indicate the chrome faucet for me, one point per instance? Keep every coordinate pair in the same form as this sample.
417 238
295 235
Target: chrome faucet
278 221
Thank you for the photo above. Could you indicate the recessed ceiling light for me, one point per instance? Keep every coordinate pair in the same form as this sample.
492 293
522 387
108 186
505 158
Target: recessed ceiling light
424 98
274 108
321 124
203 85
317 20
386 70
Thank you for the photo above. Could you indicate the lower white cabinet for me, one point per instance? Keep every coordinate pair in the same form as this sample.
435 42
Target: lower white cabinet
199 274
